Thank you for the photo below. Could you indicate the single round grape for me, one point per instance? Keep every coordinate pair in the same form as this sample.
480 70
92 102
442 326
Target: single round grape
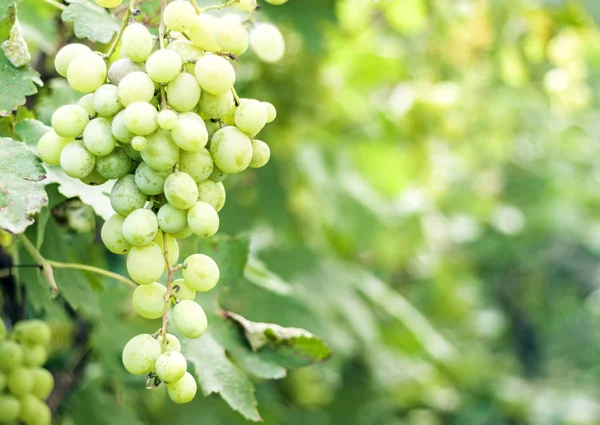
181 190
191 115
179 16
260 154
20 381
213 193
187 51
247 5
140 227
87 103
163 66
86 72
217 175
135 87
98 137
203 33
203 219
120 130
141 118
43 383
184 292
140 354
106 101
189 319
172 245
250 116
212 126
112 235
34 355
94 179
50 147
115 165
139 143
173 343
145 264
214 74
216 107
167 119
109 4
201 273
122 67
70 120
149 300
231 150
267 42
171 366
231 35
150 181
34 411
229 118
199 165
184 390
126 197
183 93
9 408
137 42
11 356
32 332
162 153
76 161
171 219
132 153
276 2
190 135
271 111
184 234
65 56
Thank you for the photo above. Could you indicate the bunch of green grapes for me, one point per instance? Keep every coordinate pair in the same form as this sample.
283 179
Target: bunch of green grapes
165 122
24 383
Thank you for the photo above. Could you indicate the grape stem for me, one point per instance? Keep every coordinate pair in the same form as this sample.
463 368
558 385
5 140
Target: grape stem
235 97
124 24
56 4
216 6
169 293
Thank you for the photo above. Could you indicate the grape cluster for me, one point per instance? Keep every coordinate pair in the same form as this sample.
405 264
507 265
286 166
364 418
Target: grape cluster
169 127
24 383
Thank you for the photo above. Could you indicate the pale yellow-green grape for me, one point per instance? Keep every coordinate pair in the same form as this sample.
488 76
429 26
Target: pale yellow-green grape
109 3
267 42
250 116
212 126
260 154
171 219
276 2
132 153
184 292
229 118
214 74
135 87
145 264
173 343
115 165
190 134
9 408
34 411
167 119
112 235
201 273
173 247
231 150
98 137
137 43
120 130
183 93
189 319
86 72
191 115
271 111
216 107
171 366
76 161
122 67
179 16
203 33
141 118
50 147
184 390
247 5
126 197
20 381
213 193
149 300
150 181
140 227
162 153
203 219
70 120
11 356
94 179
87 103
217 175
199 165
105 101
34 355
181 190
232 35
66 54
163 66
184 234
32 332
43 383
140 354
139 143
187 51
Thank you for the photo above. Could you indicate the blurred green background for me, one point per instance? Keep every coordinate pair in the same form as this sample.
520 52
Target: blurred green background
431 210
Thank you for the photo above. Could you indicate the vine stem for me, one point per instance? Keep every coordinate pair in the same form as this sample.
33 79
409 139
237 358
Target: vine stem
56 4
124 23
169 293
236 98
217 6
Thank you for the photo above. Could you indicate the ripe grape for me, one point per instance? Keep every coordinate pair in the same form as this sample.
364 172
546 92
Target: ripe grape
76 161
250 116
184 390
135 87
213 193
179 16
267 42
203 219
173 343
87 103
122 67
171 219
276 2
115 165
86 72
183 93
162 153
145 264
184 292
120 130
149 300
34 411
141 118
9 408
109 3
126 197
163 66
231 149
231 35
98 137
137 43
94 179
65 56
203 33
216 107
112 235
214 74
50 147
20 381
191 115
105 101
32 332
187 51
167 119
139 143
271 111
140 227
11 356
181 190
260 154
43 383
184 234
172 246
201 273
34 355
70 120
190 134
140 354
247 5
189 319
212 126
171 366
199 165
150 181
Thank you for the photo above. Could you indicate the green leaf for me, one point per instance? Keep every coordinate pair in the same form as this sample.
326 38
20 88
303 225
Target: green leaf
15 85
21 195
15 48
91 21
7 18
30 131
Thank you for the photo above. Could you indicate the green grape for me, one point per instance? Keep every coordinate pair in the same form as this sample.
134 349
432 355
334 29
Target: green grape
250 116
126 197
203 219
11 356
98 137
184 234
191 115
141 118
189 319
120 130
135 87
199 165
76 161
163 66
145 264
150 181
50 146
137 43
173 343
114 165
184 390
87 103
171 366
162 153
184 292
139 143
214 74
20 381
217 175
213 193
231 150
189 134
229 119
212 126
43 383
122 67
140 227
216 107
171 219
248 5
34 411
171 244
70 120
276 2
167 119
32 331
231 35
201 273
112 235
203 33
34 355
86 72
149 300
179 16
65 56
186 50
183 93
271 111
133 154
109 4
181 190
9 408
267 42
260 154
106 101
140 354
94 179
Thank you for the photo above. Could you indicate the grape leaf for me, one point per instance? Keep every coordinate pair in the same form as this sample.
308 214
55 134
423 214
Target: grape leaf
15 85
15 48
30 131
21 193
91 21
